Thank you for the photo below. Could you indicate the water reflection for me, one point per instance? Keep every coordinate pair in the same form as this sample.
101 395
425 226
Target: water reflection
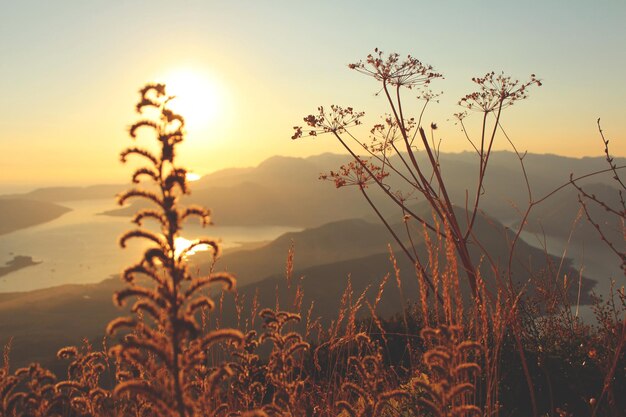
181 243
81 246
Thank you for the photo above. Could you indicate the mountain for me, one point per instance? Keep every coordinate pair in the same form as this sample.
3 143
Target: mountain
40 322
61 194
287 191
351 239
280 191
18 213
558 216
342 238
332 242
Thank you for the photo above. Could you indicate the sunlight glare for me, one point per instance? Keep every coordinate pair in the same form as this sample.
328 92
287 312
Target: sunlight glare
180 244
192 176
197 97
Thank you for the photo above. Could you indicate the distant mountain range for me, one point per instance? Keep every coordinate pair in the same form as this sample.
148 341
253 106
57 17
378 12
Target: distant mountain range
286 190
63 194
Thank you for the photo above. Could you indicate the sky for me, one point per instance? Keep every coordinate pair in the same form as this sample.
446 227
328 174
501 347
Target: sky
70 71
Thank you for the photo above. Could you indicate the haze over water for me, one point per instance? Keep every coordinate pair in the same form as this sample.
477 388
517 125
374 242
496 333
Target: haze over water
81 246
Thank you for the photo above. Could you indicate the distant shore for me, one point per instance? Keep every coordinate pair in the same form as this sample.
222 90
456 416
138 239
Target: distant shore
17 214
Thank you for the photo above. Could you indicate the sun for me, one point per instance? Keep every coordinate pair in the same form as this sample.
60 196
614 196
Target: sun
197 97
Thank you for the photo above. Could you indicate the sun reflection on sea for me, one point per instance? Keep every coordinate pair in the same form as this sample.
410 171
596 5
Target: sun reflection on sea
192 176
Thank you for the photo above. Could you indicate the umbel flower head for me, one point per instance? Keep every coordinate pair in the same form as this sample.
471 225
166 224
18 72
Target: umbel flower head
497 91
355 173
337 120
410 72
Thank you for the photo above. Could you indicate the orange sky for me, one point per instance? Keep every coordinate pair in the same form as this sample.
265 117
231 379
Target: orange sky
70 71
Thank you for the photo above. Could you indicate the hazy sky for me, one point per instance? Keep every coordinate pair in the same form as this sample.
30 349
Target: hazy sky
70 70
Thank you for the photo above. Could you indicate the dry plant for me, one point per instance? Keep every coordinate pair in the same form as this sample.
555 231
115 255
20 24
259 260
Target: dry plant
366 388
448 392
248 388
401 135
84 386
493 306
285 374
165 353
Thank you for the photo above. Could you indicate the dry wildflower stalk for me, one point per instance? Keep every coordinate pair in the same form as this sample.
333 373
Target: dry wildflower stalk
83 386
10 396
284 367
448 392
167 345
246 389
367 390
400 135
618 211
30 391
397 136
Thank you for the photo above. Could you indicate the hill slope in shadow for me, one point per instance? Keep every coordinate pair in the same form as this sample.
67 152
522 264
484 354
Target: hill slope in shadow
19 213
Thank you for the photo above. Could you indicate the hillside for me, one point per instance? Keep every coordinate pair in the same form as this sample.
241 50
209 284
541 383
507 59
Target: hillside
60 194
287 191
18 213
351 239
329 243
557 216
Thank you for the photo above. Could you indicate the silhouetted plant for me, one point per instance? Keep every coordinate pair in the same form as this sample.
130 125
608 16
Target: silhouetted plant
398 134
30 391
449 392
165 352
403 136
285 373
83 387
248 387
366 391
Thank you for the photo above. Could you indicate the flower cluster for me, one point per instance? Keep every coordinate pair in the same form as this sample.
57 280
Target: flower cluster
335 121
497 91
384 134
391 70
355 173
429 95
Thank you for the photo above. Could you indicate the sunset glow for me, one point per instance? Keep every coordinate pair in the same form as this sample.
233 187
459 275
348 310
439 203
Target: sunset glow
197 97
191 176
243 75
182 243
307 209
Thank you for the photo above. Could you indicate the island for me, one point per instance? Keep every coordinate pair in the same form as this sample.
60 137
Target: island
18 262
